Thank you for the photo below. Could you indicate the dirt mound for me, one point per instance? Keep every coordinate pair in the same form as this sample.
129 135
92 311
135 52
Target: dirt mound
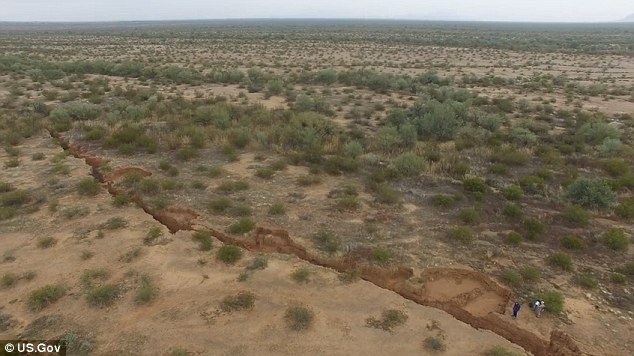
176 219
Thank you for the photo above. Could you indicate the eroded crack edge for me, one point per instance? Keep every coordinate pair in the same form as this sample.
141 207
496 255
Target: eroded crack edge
265 240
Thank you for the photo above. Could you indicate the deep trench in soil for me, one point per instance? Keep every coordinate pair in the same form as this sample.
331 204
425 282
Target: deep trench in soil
395 279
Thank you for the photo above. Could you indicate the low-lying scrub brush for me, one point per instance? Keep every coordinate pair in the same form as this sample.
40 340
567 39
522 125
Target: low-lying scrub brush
561 260
45 296
147 291
462 234
242 226
204 240
240 301
299 317
390 319
616 239
229 254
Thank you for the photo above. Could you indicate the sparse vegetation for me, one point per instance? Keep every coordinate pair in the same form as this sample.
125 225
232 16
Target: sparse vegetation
299 318
240 301
229 254
45 296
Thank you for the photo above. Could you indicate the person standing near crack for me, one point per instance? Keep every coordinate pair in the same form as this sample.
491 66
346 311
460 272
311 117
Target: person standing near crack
516 309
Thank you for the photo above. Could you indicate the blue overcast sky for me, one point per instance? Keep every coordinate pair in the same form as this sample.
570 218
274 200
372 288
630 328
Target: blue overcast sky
482 10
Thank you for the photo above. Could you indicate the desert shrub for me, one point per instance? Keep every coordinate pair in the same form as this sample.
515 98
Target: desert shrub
45 296
514 237
91 275
586 281
265 173
499 169
385 194
243 226
152 235
530 273
474 185
572 243
591 193
618 278
434 344
441 120
561 260
301 275
443 200
615 167
534 228
409 164
327 241
258 263
616 239
299 317
240 301
469 215
8 280
512 211
147 291
511 277
229 254
350 275
219 205
88 186
625 209
337 165
576 215
353 149
241 210
7 213
130 255
500 351
462 234
204 240
554 302
46 242
390 319
121 199
513 192
278 208
510 157
103 296
532 184
596 131
149 186
239 137
231 187
14 198
382 255
308 180
347 203
114 223
75 212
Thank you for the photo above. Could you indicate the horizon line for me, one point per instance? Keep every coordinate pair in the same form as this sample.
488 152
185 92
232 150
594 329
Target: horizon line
309 18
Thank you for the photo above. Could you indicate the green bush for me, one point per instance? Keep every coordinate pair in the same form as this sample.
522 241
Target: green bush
443 200
46 242
390 319
382 255
534 228
104 296
45 296
347 203
461 233
385 194
625 209
229 254
572 243
89 187
586 281
219 205
554 302
514 237
512 211
204 240
265 173
561 260
121 199
500 351
591 193
616 239
308 180
434 344
618 278
240 301
327 241
243 226
615 167
14 198
231 187
8 280
152 235
147 292
530 273
513 192
511 277
301 275
469 216
409 164
114 223
474 185
576 216
278 208
258 263
299 317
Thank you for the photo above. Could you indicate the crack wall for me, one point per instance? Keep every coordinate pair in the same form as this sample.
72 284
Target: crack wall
265 240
